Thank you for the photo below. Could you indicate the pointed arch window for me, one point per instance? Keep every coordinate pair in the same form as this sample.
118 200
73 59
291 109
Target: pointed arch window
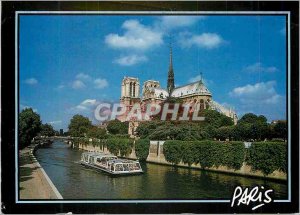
133 92
201 104
130 89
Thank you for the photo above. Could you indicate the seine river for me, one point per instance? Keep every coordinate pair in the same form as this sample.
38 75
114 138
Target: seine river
74 181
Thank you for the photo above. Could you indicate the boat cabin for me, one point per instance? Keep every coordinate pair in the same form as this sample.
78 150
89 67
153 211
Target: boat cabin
110 163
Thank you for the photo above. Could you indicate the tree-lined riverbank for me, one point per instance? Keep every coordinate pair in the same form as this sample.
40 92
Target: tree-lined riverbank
261 159
158 181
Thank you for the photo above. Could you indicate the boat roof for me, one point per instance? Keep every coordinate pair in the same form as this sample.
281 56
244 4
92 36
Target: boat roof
99 154
123 161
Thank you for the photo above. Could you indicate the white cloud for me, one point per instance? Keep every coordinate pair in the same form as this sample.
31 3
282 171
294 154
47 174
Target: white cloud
77 84
261 99
83 76
204 40
100 83
31 81
259 93
130 60
171 22
55 122
85 106
89 102
258 67
137 36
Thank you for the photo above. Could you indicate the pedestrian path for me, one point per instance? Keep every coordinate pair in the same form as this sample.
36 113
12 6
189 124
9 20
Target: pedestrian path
34 182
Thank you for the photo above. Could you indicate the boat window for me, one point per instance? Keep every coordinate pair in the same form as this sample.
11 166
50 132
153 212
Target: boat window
137 166
119 167
131 167
125 166
92 159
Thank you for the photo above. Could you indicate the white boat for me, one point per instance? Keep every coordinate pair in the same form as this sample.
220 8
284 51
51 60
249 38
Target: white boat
110 163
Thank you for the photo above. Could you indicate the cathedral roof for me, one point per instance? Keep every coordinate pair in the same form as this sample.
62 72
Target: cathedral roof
197 87
159 92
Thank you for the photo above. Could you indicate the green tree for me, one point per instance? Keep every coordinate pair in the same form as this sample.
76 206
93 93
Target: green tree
79 125
146 128
224 132
252 127
216 119
280 130
95 132
47 130
117 127
142 149
178 131
29 126
248 118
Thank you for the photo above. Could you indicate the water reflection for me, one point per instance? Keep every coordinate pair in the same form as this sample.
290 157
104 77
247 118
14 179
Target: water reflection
158 182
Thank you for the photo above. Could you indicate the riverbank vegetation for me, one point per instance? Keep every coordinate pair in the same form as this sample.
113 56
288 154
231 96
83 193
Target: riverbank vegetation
211 143
267 157
216 126
206 153
30 126
142 149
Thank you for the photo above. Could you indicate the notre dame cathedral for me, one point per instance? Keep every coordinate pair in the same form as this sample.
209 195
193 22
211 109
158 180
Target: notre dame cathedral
191 93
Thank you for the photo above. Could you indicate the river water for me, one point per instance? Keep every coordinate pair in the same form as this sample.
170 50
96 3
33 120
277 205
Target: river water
74 181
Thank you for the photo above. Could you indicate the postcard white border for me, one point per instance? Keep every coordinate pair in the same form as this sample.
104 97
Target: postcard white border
17 13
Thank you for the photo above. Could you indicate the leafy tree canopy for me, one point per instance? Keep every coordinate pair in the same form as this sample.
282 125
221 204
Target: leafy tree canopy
216 119
252 127
117 127
96 132
252 118
47 130
280 130
79 125
29 126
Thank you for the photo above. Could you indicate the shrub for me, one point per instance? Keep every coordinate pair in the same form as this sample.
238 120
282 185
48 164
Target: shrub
206 153
142 149
173 151
124 146
267 157
234 154
190 153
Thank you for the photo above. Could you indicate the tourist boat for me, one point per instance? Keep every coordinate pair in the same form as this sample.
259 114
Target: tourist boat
110 163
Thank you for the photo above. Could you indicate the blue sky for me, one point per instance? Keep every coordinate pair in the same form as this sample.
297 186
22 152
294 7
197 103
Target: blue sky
70 63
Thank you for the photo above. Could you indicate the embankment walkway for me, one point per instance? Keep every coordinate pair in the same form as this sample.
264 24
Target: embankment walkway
34 182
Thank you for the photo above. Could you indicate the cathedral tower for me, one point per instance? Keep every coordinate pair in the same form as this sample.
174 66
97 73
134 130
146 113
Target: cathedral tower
130 91
170 85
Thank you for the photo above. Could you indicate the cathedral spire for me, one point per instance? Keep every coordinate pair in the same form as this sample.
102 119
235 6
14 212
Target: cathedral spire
201 78
170 85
